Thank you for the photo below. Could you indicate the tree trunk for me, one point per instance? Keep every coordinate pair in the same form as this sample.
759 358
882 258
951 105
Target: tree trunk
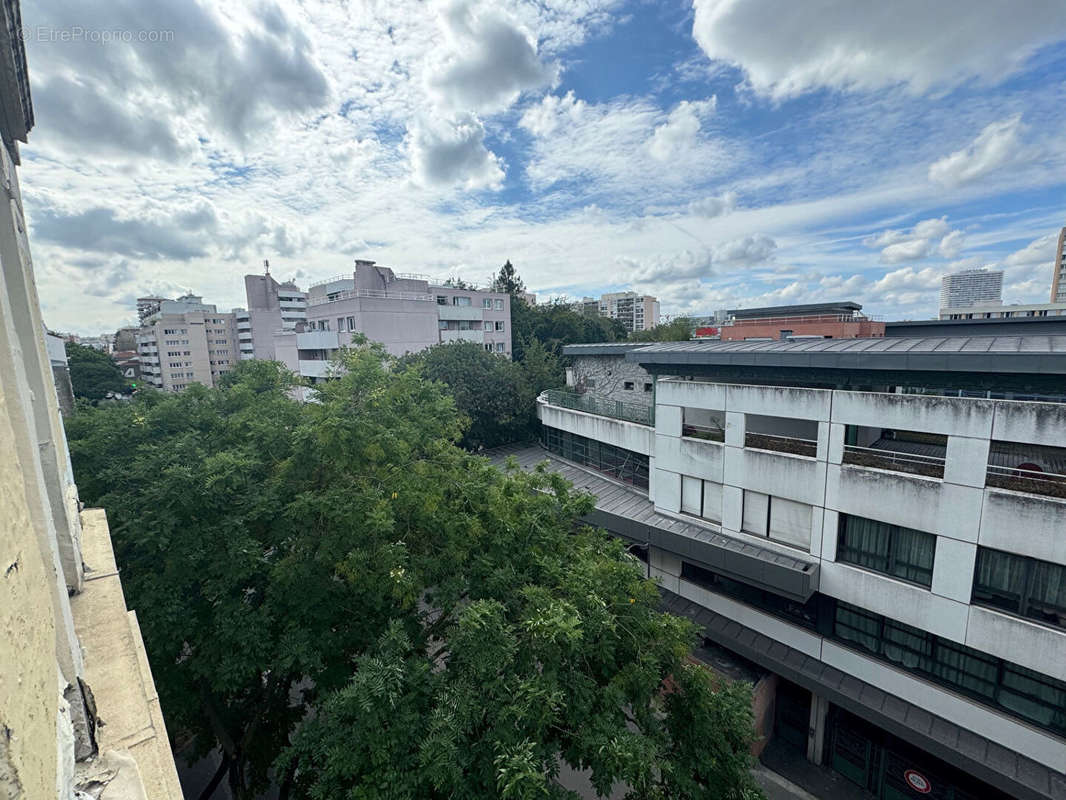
216 779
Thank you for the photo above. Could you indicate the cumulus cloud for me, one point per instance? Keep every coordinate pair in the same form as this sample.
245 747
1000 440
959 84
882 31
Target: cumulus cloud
927 238
785 49
452 151
908 278
714 206
488 59
680 131
997 146
1038 251
155 234
747 251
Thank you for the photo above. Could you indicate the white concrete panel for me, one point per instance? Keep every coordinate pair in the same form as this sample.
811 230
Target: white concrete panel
817 521
735 428
691 495
967 461
667 419
836 442
894 497
732 507
667 490
694 394
780 474
712 501
954 416
1026 524
1038 423
628 435
830 529
953 569
668 581
695 457
779 401
823 441
778 630
899 600
664 561
959 512
953 707
1018 640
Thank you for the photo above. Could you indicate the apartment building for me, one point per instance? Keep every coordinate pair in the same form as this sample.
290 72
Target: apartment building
404 312
71 656
1000 311
843 320
272 307
971 287
635 311
875 523
186 341
1058 274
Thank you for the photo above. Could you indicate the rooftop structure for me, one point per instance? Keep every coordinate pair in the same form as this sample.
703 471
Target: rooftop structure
972 287
874 521
839 320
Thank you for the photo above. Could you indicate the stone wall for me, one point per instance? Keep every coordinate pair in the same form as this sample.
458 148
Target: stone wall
606 377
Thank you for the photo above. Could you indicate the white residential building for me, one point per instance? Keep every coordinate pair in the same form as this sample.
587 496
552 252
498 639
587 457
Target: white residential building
404 312
876 523
186 341
635 311
972 287
999 311
272 307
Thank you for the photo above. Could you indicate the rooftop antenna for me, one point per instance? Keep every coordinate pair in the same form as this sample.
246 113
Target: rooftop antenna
266 266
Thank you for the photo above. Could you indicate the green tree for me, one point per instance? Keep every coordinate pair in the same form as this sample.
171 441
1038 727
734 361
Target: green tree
492 391
556 324
507 280
679 329
93 373
339 582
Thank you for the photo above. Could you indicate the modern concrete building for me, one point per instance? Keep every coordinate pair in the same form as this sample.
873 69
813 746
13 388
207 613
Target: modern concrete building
971 287
995 326
186 341
1000 311
272 307
635 311
404 312
71 657
1058 275
843 320
835 512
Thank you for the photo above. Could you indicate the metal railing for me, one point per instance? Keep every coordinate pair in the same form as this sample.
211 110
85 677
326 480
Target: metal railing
782 444
705 432
349 294
912 463
619 409
1031 481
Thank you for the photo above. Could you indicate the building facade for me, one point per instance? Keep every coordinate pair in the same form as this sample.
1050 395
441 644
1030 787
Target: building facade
186 341
971 287
1000 311
635 311
404 312
272 307
843 320
836 513
71 655
1058 275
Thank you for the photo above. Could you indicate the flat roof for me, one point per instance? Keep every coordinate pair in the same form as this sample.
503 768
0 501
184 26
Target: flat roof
842 307
1028 354
602 348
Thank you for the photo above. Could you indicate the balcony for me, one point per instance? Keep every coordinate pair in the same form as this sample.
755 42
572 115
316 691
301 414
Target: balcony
450 312
1027 468
591 404
782 444
462 336
895 456
707 433
797 437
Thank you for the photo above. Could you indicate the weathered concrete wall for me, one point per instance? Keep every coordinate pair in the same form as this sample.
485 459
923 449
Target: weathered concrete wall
605 376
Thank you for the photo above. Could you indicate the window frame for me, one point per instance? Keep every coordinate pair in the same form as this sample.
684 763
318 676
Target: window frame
893 560
1024 606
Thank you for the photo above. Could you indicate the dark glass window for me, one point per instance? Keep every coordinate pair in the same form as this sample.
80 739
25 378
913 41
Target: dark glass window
805 614
1025 586
894 550
625 465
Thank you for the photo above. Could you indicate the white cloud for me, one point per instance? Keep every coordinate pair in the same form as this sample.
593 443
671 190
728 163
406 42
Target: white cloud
714 206
787 48
928 237
997 146
680 132
452 151
747 251
488 59
1038 251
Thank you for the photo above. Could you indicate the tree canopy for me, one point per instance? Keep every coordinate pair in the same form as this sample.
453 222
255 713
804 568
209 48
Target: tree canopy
556 324
679 329
452 630
507 280
93 373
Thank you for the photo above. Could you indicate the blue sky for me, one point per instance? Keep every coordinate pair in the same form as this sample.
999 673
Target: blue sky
715 153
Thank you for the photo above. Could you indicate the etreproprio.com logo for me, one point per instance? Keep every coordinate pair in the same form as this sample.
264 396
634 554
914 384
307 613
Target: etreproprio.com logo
78 34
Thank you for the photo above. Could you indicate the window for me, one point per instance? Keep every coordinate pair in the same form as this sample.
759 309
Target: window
460 301
323 325
499 325
499 305
488 326
1024 586
488 346
443 324
351 323
627 385
805 614
442 300
486 303
625 465
340 323
890 549
701 498
501 347
648 387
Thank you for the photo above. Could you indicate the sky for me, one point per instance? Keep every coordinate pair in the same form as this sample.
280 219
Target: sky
713 153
